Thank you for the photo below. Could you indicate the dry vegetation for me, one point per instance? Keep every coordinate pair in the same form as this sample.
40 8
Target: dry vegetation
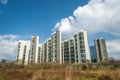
44 71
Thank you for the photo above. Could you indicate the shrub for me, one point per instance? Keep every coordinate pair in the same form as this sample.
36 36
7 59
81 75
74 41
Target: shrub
2 77
104 77
84 67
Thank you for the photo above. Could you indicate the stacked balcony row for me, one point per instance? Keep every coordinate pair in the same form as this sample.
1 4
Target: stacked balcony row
53 50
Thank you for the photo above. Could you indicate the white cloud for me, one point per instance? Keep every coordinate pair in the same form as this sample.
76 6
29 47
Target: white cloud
96 16
11 37
8 46
65 26
4 1
113 48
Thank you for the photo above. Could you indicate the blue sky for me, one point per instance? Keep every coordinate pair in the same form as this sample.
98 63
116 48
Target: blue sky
29 17
20 19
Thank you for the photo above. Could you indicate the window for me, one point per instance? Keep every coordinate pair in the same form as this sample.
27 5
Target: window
81 46
33 40
75 36
83 55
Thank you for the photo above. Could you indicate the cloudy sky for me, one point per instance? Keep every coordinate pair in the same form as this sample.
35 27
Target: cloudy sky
20 19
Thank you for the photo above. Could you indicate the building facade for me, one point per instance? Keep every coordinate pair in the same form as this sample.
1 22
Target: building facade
76 49
22 53
82 53
34 50
101 50
39 53
49 51
44 59
56 47
67 51
73 50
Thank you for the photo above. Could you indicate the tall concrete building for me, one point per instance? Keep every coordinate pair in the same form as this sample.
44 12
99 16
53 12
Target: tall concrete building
71 50
42 55
22 55
49 51
56 47
34 50
47 54
62 52
39 53
44 46
101 50
74 50
82 53
67 51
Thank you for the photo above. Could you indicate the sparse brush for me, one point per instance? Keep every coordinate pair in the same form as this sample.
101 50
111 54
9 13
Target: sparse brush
54 71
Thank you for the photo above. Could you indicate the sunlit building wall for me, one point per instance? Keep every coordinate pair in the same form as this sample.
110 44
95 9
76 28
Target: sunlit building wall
56 47
101 50
22 55
34 50
82 53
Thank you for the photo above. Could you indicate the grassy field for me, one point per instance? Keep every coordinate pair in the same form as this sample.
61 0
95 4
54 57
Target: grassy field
47 71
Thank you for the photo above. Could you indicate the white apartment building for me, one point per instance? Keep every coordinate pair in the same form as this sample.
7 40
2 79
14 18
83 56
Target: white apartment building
44 50
62 52
71 50
82 53
49 51
34 50
101 50
22 55
56 47
67 51
39 53
74 50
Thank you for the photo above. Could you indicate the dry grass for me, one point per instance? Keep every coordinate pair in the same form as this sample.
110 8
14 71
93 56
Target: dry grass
60 72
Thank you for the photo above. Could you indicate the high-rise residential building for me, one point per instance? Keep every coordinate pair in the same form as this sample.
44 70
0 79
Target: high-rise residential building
42 55
71 50
101 50
56 47
49 51
82 53
62 52
74 50
47 54
44 46
34 50
67 51
39 53
93 54
29 57
22 55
